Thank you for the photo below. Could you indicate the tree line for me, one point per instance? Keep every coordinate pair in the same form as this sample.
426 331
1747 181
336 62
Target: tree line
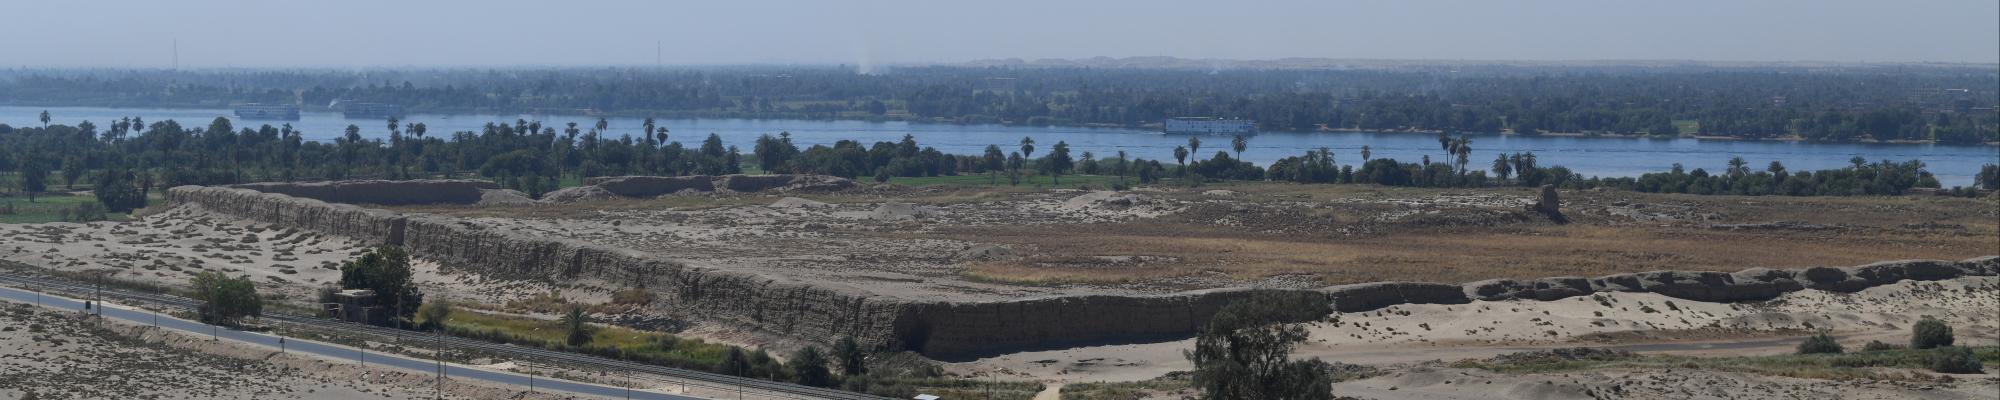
1944 104
129 158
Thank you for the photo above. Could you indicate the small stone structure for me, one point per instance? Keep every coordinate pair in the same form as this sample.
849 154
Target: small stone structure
356 305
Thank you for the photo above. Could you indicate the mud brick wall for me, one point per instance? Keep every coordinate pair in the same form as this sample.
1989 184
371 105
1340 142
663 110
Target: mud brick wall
824 313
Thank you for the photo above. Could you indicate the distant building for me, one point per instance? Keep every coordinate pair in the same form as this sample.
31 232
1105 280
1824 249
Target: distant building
267 111
356 305
1208 126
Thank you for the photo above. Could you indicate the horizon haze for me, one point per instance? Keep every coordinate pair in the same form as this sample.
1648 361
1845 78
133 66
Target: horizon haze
370 33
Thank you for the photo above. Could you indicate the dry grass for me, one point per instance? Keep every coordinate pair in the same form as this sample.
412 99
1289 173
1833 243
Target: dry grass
1876 231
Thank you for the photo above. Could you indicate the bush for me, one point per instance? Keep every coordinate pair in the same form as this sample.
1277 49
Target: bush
1820 344
1877 345
1955 360
1930 333
1242 352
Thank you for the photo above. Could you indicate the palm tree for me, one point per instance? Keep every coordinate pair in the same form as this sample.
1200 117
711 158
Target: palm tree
1194 146
1738 167
45 118
995 161
577 323
603 125
1365 156
648 126
1501 167
1238 144
1180 155
1027 147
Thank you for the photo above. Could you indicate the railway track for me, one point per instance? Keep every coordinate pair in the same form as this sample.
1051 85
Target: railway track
691 378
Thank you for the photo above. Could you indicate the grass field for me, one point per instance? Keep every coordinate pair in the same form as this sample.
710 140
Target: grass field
550 334
47 207
1688 126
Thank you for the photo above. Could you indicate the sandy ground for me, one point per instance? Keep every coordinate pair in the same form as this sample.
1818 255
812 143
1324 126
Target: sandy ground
172 246
1413 334
1437 383
58 355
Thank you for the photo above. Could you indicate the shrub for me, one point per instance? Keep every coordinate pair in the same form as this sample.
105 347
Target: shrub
1877 345
1955 360
1930 333
809 368
1820 344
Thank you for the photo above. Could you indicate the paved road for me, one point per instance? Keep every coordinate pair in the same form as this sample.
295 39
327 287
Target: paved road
334 351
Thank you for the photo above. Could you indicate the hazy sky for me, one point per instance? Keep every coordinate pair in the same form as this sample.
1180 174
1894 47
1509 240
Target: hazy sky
139 33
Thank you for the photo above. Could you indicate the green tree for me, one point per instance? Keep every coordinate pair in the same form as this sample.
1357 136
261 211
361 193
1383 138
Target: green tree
45 119
1057 162
1956 360
733 363
809 368
1244 352
994 162
385 270
116 191
1501 167
576 326
1194 145
34 177
1365 155
853 359
1989 176
1819 344
1180 155
434 313
72 170
225 300
1930 333
1027 147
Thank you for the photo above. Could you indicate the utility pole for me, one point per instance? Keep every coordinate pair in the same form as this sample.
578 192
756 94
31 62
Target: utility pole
440 358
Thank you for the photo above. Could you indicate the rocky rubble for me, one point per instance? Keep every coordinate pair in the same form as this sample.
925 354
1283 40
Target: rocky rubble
600 188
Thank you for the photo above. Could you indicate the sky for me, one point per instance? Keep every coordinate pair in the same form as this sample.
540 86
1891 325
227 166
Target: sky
415 33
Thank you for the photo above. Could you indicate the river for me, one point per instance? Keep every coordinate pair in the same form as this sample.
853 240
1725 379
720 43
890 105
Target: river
1953 165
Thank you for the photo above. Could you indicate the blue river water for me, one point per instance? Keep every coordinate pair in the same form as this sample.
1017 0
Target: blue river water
1953 165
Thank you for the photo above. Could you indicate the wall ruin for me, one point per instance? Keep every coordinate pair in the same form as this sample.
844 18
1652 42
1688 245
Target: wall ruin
945 329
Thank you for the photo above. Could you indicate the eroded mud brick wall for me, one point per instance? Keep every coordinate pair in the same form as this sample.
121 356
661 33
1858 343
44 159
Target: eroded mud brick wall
824 313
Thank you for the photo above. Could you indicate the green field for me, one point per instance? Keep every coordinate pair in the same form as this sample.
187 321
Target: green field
47 207
1688 126
634 344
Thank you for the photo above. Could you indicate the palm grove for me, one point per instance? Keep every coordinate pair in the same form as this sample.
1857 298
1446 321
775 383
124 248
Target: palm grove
129 158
